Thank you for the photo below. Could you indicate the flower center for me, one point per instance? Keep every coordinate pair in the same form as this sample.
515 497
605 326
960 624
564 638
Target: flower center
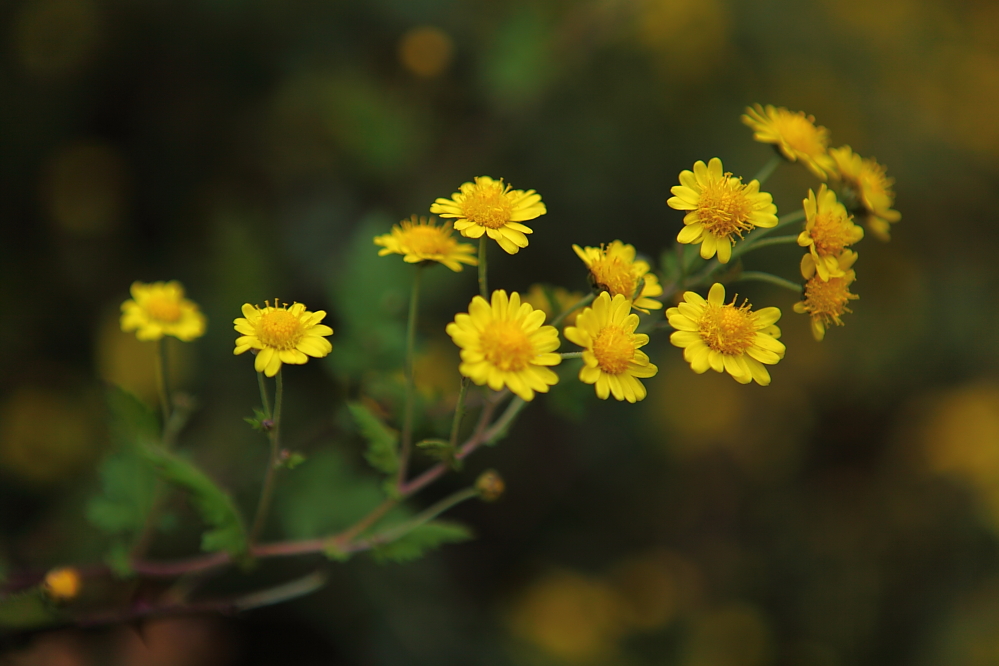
723 208
728 329
614 348
279 329
163 309
506 346
829 299
800 134
831 233
427 240
487 205
614 276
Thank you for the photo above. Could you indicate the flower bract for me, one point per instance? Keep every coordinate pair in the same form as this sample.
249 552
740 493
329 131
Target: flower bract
829 229
489 207
867 190
613 268
159 309
726 337
419 239
720 206
281 334
825 301
794 134
612 361
504 343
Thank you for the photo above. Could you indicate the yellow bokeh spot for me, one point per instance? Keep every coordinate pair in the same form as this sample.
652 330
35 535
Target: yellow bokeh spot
733 635
426 51
85 188
675 29
656 586
53 38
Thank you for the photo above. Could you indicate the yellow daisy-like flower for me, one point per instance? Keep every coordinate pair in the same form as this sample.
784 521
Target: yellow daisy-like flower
505 344
419 239
612 360
159 309
614 268
726 337
537 296
720 206
826 300
828 230
794 134
867 190
281 334
489 207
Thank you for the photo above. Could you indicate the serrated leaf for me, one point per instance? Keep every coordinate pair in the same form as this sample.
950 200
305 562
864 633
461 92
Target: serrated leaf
382 453
213 504
257 420
132 422
415 543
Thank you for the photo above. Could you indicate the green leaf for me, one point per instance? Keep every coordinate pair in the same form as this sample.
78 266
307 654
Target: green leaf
28 610
214 504
415 543
132 422
440 449
127 484
382 453
259 420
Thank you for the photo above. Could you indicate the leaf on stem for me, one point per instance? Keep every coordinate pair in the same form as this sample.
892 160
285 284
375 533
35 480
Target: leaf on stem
440 449
413 544
131 422
382 453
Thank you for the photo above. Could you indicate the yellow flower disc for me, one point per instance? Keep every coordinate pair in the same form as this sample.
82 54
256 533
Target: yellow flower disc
281 334
829 229
159 309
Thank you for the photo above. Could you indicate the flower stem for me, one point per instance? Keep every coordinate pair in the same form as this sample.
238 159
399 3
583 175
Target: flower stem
584 301
768 169
425 516
267 491
760 276
265 401
459 412
483 282
161 381
407 418
503 423
578 354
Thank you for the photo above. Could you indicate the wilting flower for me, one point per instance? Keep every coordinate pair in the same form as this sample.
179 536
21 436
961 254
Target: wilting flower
829 229
867 190
159 309
612 360
825 301
419 239
726 337
504 343
794 134
489 207
281 334
720 206
613 268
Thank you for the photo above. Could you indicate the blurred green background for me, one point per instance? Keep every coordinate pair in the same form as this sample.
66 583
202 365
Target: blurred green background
847 514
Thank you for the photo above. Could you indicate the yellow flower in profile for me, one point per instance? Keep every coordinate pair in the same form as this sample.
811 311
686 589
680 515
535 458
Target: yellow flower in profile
489 207
613 268
867 190
159 309
720 206
794 134
612 360
538 297
505 344
281 334
419 239
726 337
829 229
826 300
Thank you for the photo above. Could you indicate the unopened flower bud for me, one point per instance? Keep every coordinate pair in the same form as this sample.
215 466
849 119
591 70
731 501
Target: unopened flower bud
62 584
490 485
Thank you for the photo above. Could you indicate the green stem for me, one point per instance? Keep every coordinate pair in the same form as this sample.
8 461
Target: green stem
768 169
425 516
161 381
760 276
483 282
503 423
265 401
791 239
782 221
459 412
578 354
267 491
407 419
584 301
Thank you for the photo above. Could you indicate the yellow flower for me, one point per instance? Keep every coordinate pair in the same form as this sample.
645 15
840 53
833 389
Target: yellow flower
826 300
828 230
613 268
160 309
505 344
538 295
281 334
867 189
419 239
489 207
62 584
612 359
720 206
794 134
724 337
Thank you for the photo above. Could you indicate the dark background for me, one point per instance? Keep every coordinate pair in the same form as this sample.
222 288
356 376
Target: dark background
846 514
